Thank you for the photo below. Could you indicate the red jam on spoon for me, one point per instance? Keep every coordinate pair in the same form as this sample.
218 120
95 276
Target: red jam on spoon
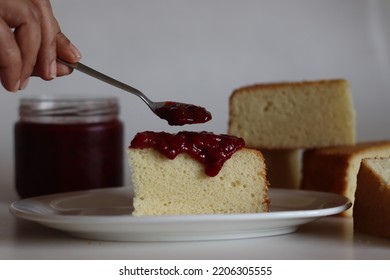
181 114
207 148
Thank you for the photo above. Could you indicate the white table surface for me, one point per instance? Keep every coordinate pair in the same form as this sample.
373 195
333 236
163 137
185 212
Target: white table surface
326 238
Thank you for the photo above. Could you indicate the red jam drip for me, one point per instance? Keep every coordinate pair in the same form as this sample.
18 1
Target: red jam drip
181 114
209 149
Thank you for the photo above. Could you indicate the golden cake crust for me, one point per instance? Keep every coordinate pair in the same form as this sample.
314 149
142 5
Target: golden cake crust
288 84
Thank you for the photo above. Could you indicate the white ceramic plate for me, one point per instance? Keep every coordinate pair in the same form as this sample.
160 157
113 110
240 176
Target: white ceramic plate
105 214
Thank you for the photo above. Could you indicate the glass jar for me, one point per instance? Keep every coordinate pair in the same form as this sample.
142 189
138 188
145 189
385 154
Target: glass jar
67 144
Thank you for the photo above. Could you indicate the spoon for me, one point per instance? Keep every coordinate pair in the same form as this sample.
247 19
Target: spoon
174 112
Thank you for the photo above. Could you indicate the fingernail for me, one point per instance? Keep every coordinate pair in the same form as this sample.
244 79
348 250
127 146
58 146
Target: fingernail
16 87
53 69
75 51
24 84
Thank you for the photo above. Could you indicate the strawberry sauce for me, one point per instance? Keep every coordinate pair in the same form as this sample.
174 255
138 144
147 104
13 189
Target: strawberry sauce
181 114
207 148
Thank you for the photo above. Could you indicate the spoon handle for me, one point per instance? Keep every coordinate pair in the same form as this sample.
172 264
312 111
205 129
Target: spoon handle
102 77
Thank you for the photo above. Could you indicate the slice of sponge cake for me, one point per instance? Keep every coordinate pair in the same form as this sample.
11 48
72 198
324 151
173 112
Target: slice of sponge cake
371 211
293 115
334 169
178 186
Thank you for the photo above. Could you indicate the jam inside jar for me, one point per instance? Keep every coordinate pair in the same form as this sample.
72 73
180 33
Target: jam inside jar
67 144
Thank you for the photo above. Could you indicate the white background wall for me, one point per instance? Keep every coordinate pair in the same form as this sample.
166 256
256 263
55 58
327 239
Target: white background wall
198 51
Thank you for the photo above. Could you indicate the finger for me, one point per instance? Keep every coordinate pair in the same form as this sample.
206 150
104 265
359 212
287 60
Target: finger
54 44
10 59
19 49
28 38
67 52
45 66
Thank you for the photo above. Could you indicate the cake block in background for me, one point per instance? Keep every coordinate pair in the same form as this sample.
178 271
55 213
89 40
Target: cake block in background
196 173
283 168
293 115
335 169
371 211
282 119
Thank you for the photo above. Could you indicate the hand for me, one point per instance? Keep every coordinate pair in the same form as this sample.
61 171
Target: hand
30 42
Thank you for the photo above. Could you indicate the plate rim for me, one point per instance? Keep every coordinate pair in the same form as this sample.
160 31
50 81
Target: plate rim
342 206
177 228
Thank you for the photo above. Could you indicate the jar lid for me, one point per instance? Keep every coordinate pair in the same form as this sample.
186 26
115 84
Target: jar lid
68 109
